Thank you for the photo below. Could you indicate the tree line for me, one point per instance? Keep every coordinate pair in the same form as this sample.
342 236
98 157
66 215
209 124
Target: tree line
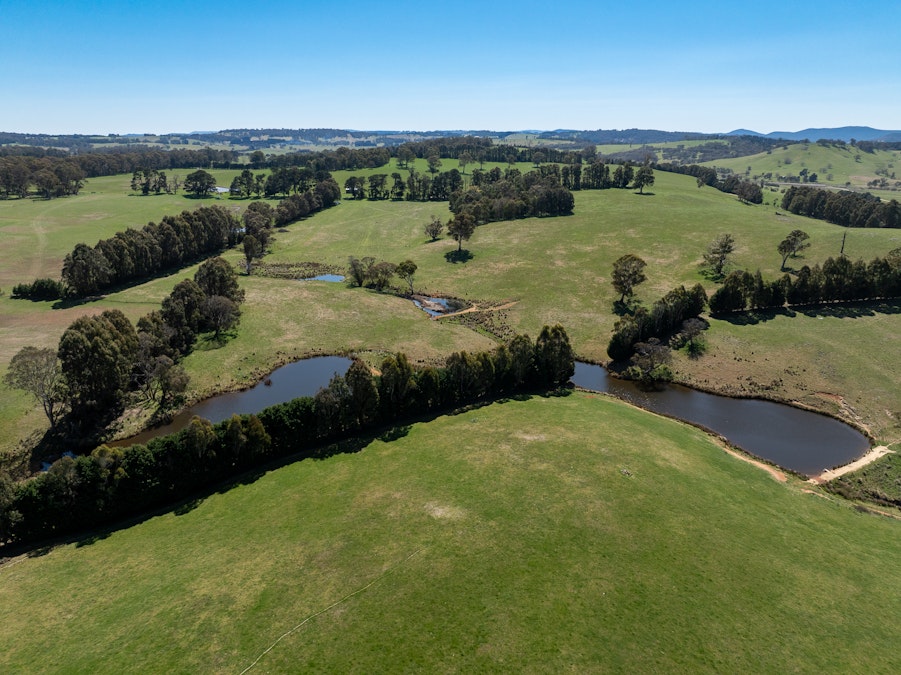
54 175
837 280
848 209
110 483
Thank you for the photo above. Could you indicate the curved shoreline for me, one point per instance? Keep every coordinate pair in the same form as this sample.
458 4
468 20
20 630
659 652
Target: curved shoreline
868 458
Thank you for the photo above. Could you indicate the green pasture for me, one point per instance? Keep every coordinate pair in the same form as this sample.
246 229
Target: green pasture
548 535
846 165
551 269
38 233
838 360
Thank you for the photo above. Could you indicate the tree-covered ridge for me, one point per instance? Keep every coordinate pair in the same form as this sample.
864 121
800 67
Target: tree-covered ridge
78 493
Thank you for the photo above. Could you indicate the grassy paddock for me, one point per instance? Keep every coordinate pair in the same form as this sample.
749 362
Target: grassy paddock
542 535
553 269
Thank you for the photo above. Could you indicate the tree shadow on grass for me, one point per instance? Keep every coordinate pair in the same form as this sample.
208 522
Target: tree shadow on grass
754 317
846 310
69 303
852 310
461 256
211 341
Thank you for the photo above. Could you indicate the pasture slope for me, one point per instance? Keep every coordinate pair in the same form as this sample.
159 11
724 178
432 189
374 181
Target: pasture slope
835 165
551 270
541 535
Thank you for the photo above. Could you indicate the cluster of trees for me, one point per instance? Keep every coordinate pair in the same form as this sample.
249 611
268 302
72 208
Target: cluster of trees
78 493
849 209
101 359
367 271
137 254
665 316
321 195
515 195
40 289
153 181
247 184
837 280
48 176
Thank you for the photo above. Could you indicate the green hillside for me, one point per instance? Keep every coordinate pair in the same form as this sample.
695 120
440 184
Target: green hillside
838 165
542 270
543 535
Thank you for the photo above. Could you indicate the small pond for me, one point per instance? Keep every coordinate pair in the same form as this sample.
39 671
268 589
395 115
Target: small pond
433 306
334 278
795 439
301 378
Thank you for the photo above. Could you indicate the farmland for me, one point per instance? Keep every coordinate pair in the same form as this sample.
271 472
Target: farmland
545 270
562 533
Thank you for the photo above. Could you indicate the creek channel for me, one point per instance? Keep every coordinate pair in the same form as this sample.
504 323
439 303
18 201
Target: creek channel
792 438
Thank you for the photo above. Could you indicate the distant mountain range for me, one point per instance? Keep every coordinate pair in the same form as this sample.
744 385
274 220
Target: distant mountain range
832 134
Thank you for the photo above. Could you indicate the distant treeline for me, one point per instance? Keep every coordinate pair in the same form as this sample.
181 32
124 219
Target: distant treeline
52 175
838 280
110 483
849 209
664 317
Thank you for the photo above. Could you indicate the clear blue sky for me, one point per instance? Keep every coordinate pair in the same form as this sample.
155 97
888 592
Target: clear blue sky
122 67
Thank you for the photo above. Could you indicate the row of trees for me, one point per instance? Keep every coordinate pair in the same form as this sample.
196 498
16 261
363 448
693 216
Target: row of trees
837 280
417 187
324 194
113 482
135 254
849 209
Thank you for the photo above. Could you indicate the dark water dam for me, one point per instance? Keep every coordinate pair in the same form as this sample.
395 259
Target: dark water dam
795 439
301 378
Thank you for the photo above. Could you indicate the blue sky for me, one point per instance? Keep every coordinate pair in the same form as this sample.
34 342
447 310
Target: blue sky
124 67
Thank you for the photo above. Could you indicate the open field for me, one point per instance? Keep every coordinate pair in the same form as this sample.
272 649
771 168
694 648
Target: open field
553 269
38 233
833 165
543 535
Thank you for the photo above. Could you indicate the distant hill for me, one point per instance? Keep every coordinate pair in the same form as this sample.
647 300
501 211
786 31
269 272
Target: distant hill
832 134
625 136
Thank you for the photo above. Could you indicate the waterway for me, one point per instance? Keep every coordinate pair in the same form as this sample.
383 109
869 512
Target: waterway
300 378
796 439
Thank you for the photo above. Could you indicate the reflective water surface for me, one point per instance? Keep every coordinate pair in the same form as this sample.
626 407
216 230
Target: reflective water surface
796 439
